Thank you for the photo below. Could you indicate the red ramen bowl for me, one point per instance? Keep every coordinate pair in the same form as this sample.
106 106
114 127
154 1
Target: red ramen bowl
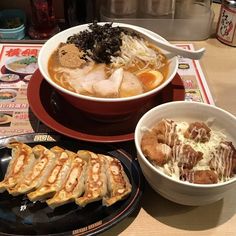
104 109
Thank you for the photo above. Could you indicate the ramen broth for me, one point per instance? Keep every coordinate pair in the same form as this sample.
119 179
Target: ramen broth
25 65
121 77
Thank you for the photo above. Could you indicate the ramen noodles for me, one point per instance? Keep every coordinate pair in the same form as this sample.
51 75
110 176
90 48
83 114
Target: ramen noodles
191 152
3 118
26 65
107 61
7 94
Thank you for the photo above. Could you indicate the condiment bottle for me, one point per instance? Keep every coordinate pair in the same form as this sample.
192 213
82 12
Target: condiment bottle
226 28
78 12
120 8
157 8
43 23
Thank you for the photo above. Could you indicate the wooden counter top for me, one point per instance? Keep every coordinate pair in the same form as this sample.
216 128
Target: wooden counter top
219 66
159 216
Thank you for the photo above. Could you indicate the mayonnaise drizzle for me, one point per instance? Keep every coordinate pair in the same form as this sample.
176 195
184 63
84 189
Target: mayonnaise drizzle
209 150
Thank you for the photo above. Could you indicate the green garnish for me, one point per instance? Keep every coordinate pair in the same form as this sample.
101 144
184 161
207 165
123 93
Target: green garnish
10 23
28 60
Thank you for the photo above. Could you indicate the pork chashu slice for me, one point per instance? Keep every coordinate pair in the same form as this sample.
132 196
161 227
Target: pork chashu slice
57 176
73 186
20 164
41 168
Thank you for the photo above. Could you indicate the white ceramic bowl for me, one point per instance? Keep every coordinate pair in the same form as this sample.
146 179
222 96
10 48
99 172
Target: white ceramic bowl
100 107
30 69
11 98
9 77
178 191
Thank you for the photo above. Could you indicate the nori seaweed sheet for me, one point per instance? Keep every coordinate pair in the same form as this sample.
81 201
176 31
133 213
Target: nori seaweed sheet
100 42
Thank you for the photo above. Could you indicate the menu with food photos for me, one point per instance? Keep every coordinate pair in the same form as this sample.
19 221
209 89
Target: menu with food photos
18 62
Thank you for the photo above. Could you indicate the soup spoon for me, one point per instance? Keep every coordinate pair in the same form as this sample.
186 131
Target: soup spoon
196 55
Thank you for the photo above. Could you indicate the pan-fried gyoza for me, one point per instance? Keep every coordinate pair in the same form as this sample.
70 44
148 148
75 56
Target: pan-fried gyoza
96 180
20 164
118 182
58 176
41 168
73 186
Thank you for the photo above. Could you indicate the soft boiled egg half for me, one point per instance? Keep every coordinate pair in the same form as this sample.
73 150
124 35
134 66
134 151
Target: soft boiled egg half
151 78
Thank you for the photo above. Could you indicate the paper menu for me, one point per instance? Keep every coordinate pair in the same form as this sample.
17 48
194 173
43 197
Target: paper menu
195 84
16 117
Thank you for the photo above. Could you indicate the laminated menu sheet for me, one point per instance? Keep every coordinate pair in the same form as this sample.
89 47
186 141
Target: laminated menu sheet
194 81
15 114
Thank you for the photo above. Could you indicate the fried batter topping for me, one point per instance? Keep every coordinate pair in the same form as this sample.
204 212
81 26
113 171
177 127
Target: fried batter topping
190 151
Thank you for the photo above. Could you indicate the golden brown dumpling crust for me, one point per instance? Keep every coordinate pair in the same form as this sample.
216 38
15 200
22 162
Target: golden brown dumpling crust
96 180
38 173
60 176
56 177
118 183
21 162
73 186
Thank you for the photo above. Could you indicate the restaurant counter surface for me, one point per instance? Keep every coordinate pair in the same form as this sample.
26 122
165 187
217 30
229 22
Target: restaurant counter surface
159 216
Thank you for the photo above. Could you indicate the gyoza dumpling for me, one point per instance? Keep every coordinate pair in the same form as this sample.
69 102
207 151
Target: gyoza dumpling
57 176
22 160
38 173
73 186
96 181
118 183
